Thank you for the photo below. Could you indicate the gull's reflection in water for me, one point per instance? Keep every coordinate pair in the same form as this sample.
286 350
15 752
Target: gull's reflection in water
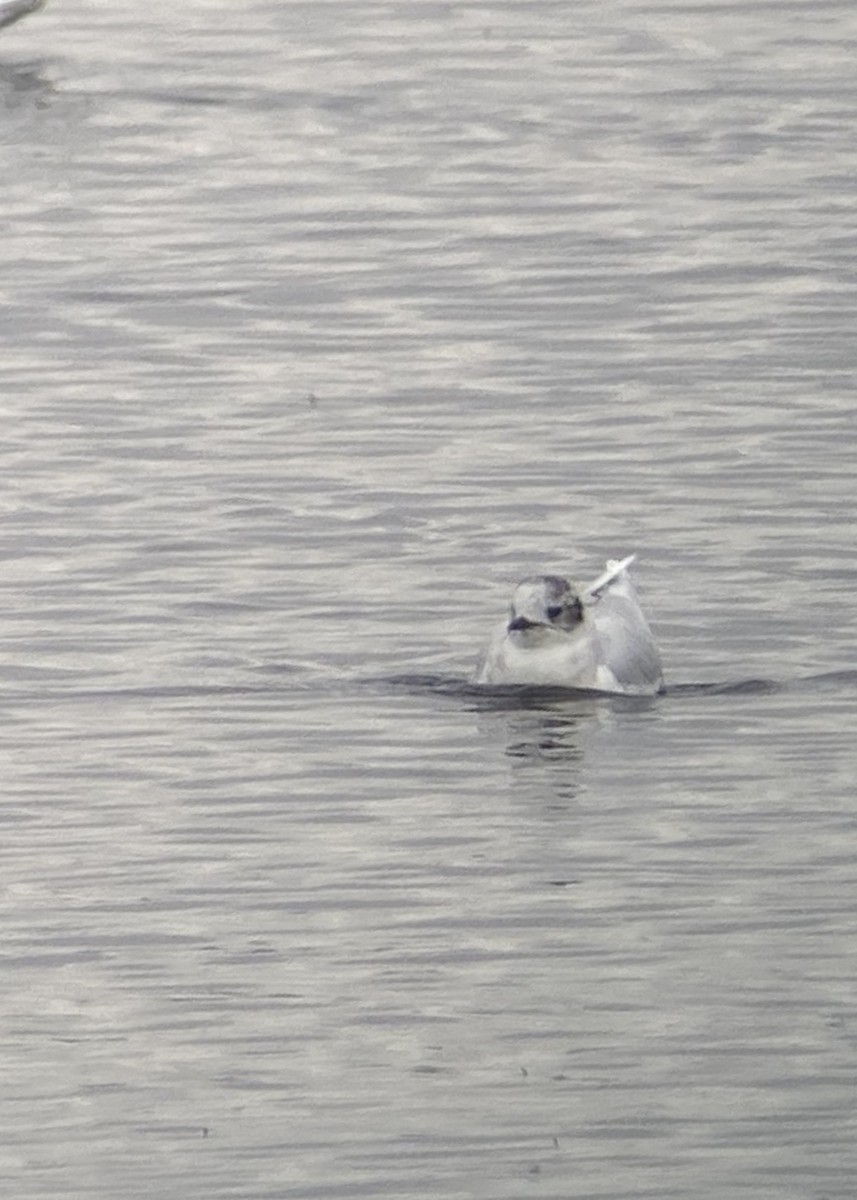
544 750
544 738
546 731
543 731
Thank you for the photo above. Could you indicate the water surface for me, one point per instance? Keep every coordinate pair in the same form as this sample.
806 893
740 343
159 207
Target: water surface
322 325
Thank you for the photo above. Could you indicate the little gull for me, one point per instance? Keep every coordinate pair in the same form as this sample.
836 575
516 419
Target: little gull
558 636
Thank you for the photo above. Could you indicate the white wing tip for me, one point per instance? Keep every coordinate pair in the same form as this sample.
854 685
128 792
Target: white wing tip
615 568
615 565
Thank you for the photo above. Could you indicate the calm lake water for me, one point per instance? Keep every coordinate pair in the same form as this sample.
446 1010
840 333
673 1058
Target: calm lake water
323 323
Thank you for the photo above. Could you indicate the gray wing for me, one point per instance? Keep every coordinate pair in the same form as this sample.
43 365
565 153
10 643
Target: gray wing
627 647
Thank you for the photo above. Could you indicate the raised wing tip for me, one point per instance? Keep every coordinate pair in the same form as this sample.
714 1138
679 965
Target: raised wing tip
620 564
615 567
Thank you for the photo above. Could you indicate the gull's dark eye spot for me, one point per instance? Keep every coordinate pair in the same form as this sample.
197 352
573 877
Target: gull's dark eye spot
554 611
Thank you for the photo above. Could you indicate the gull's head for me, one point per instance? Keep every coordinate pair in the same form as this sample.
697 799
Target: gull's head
543 605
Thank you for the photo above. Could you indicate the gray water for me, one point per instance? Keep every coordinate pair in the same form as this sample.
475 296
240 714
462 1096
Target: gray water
322 324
